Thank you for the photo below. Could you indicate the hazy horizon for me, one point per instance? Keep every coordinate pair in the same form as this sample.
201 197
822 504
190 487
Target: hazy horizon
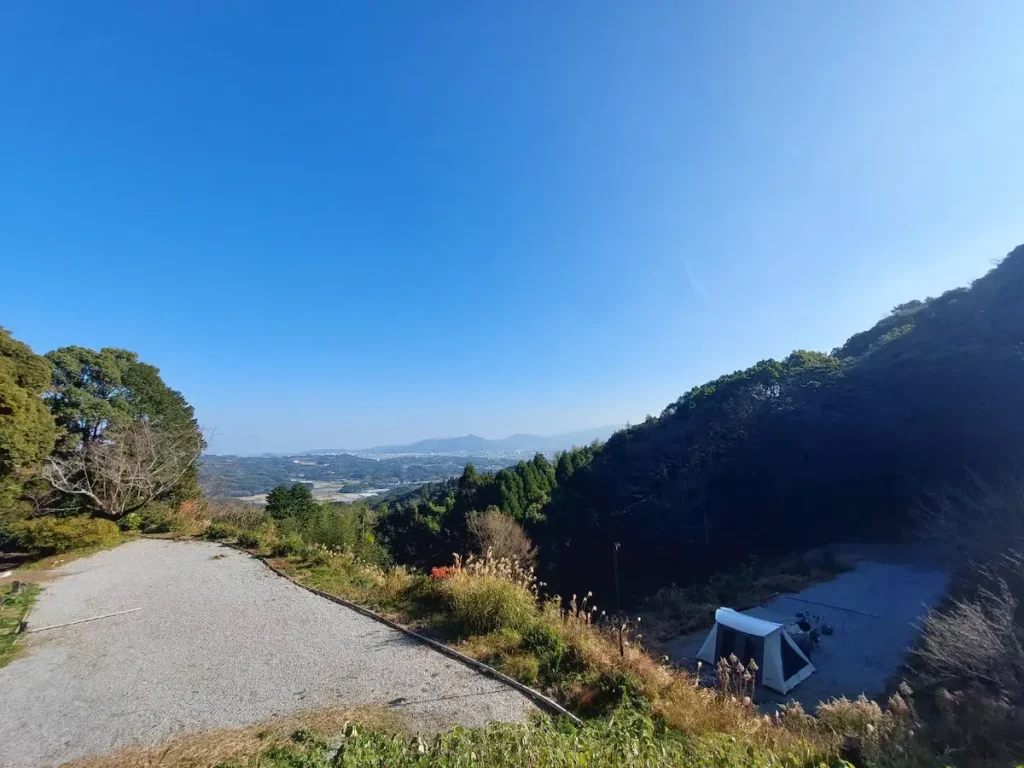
439 220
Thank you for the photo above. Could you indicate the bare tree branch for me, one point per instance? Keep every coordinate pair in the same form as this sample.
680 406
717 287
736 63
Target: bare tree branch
125 470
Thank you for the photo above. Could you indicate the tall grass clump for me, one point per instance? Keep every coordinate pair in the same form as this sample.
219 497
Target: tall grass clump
969 664
487 594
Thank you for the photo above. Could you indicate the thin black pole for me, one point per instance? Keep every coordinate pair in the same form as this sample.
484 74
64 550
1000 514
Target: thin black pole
621 620
615 560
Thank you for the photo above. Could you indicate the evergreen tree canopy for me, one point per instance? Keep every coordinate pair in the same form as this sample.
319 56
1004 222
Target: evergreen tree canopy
27 430
93 390
296 501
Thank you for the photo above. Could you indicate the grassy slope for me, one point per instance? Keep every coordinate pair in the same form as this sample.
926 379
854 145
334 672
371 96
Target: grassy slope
12 612
626 698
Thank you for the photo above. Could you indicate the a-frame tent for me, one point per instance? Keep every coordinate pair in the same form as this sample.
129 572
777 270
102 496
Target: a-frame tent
781 665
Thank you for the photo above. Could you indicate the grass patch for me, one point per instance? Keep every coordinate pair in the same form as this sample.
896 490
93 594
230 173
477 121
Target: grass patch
13 609
628 738
252 746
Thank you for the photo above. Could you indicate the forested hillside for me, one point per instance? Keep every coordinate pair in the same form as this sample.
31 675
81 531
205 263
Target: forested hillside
784 455
807 450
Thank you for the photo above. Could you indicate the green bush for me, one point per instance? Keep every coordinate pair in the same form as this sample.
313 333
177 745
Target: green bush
250 539
315 554
289 544
617 689
523 667
159 517
218 531
130 522
556 659
52 535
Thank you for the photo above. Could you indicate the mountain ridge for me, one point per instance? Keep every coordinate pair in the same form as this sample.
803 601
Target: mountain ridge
521 442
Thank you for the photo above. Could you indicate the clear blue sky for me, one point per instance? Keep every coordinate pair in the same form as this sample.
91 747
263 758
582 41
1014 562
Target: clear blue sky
342 224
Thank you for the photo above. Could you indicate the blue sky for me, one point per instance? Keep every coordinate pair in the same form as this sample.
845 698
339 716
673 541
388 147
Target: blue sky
343 224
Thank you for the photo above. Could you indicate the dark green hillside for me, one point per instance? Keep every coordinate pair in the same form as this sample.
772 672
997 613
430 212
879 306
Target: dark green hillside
811 449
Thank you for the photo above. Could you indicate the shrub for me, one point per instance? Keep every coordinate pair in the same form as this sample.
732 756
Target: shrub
248 516
159 517
395 584
971 657
331 525
218 531
523 667
976 638
614 690
290 544
250 539
875 736
51 535
130 522
501 536
485 603
316 554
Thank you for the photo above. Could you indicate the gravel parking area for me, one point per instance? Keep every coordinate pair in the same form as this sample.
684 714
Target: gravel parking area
874 611
220 642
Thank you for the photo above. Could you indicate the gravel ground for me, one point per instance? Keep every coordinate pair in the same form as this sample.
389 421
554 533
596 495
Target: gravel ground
218 643
865 652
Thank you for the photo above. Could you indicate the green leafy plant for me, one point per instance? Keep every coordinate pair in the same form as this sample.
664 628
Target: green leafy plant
218 531
289 544
13 608
54 535
131 522
250 539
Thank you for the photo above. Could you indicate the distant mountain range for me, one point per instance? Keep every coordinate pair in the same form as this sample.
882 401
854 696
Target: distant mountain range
474 444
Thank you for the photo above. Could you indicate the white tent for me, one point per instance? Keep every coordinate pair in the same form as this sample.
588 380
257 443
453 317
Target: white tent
781 665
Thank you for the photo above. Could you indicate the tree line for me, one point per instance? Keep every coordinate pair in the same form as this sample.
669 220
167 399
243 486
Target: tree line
428 525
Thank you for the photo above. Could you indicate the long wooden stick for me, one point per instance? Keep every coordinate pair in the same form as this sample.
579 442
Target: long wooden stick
82 621
835 607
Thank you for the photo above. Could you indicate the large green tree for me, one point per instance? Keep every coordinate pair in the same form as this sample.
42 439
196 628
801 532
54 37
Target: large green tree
296 501
93 390
95 396
27 430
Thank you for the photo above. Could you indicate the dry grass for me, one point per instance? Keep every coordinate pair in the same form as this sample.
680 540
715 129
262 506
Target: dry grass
632 674
969 664
976 638
489 594
210 749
